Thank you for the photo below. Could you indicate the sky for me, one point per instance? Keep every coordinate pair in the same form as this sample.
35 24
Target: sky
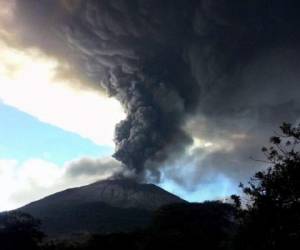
182 94
39 137
46 127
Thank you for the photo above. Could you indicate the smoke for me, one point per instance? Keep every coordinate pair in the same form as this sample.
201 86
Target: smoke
24 182
171 63
136 52
98 168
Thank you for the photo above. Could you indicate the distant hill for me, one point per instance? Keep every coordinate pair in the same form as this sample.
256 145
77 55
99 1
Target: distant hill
102 207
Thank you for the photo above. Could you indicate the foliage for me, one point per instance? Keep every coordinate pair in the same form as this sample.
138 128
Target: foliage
19 231
210 224
272 218
175 226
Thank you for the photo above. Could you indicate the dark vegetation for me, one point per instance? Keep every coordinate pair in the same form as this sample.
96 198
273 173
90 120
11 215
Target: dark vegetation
19 231
102 218
267 216
272 217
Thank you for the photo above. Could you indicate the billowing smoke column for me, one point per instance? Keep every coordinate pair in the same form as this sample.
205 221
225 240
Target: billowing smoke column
154 55
166 59
136 51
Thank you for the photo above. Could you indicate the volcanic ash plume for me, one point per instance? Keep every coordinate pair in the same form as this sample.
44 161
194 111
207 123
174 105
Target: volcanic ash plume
166 60
136 51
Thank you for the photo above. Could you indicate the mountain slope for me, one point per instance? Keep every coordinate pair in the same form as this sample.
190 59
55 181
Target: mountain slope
104 206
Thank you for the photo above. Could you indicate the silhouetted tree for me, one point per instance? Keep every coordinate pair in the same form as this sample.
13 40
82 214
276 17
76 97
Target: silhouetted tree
19 231
208 225
272 217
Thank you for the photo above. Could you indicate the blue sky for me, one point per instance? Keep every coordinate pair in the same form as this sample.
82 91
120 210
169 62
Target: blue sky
35 158
51 122
24 137
220 188
39 150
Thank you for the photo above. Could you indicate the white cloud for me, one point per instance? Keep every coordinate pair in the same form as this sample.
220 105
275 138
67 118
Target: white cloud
29 81
45 87
21 183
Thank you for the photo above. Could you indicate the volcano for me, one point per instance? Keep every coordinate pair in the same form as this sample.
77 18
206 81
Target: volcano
102 207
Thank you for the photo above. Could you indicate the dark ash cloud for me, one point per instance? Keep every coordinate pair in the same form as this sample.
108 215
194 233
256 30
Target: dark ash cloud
232 65
95 168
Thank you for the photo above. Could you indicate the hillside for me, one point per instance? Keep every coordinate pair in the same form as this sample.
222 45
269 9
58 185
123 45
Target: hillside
102 207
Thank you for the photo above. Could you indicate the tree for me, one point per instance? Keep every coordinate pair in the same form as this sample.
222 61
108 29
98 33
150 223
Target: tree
272 217
185 225
19 231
